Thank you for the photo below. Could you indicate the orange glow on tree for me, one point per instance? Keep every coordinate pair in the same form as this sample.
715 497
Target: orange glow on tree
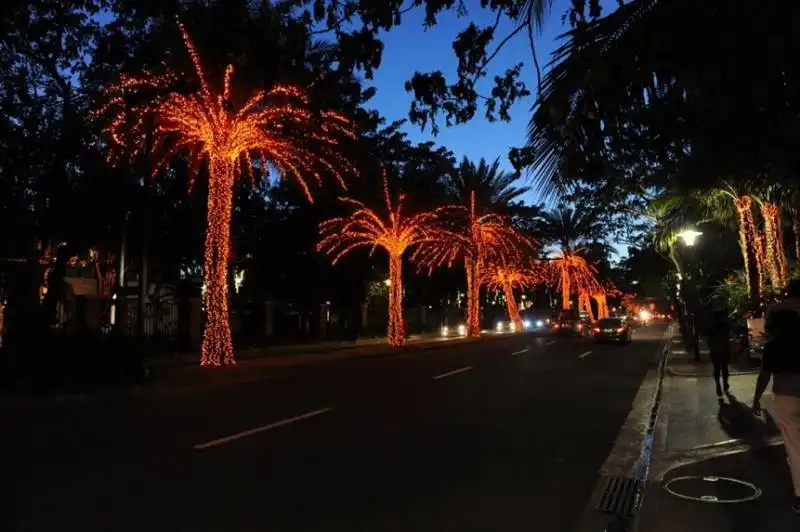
750 242
505 279
478 240
274 128
395 232
777 264
570 272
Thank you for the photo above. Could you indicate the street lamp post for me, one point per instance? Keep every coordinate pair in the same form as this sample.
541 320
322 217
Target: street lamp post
689 238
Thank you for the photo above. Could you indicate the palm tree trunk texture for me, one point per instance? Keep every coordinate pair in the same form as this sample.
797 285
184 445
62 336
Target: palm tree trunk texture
777 265
585 303
511 305
473 298
750 245
565 284
396 333
602 306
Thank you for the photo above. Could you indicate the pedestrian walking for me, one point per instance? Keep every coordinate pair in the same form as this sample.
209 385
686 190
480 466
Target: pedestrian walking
719 347
781 363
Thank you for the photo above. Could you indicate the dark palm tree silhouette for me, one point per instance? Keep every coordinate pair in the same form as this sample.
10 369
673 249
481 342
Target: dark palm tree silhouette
569 226
495 189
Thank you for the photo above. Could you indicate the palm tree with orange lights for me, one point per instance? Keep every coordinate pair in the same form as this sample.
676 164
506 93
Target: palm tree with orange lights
477 239
394 231
270 129
505 278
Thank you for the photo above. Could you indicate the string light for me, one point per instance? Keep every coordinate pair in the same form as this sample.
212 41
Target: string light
394 233
273 127
570 272
506 278
777 264
750 243
478 240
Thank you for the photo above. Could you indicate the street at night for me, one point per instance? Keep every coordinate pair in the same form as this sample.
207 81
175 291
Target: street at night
503 434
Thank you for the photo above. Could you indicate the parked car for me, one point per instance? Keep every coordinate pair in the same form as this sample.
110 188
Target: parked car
613 330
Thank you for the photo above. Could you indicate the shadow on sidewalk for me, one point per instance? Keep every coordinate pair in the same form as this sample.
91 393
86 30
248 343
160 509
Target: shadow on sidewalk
739 422
754 462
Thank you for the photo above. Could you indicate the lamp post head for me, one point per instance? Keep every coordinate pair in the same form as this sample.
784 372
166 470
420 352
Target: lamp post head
689 236
387 282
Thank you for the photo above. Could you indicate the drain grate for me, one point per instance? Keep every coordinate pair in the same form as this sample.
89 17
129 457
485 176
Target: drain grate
618 495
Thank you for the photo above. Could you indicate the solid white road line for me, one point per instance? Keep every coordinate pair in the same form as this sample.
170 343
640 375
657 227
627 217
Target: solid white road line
454 372
551 342
232 437
586 354
515 353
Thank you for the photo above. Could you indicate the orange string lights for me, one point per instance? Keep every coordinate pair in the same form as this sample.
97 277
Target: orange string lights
395 233
777 264
570 272
478 239
750 243
273 127
506 278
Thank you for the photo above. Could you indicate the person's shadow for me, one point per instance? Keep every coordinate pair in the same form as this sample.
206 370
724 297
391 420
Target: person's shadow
739 422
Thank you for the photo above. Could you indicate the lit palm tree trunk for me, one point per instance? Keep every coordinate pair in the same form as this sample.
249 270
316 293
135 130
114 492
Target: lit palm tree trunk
511 305
585 303
750 245
217 348
602 306
565 284
396 333
773 243
473 298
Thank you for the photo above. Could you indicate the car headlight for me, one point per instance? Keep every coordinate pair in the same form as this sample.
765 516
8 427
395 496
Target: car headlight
462 329
499 326
539 323
512 326
527 324
445 330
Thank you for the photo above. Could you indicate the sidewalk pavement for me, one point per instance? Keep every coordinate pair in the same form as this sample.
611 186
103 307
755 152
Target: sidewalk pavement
683 364
697 435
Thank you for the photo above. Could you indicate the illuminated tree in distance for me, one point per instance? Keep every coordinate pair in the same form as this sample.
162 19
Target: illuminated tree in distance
273 127
505 279
478 240
570 273
395 232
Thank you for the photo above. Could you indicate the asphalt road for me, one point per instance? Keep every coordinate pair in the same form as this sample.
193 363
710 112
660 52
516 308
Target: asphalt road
501 435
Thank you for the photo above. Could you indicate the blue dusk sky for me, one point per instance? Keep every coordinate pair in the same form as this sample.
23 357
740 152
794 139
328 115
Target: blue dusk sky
410 47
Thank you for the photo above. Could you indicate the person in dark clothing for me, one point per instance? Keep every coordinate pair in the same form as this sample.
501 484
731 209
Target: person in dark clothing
718 337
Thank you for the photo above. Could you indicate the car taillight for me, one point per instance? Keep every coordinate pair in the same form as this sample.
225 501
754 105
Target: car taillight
620 329
580 326
596 329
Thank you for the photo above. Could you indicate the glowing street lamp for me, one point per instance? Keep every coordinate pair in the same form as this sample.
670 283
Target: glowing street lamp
387 282
689 236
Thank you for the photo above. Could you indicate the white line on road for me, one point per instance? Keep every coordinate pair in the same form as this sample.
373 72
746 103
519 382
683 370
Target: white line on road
232 437
586 354
551 342
454 372
515 353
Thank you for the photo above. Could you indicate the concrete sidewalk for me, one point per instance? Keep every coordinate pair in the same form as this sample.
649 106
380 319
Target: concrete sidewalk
683 364
715 467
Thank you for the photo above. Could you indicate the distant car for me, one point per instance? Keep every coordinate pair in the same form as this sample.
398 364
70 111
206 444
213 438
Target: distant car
536 322
572 322
458 330
613 330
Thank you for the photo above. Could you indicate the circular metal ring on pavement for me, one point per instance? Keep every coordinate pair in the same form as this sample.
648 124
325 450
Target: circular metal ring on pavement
707 489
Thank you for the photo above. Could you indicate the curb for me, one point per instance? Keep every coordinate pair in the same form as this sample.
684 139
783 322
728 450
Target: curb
674 373
630 454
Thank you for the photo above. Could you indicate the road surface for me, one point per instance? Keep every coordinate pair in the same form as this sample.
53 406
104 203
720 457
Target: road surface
500 435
